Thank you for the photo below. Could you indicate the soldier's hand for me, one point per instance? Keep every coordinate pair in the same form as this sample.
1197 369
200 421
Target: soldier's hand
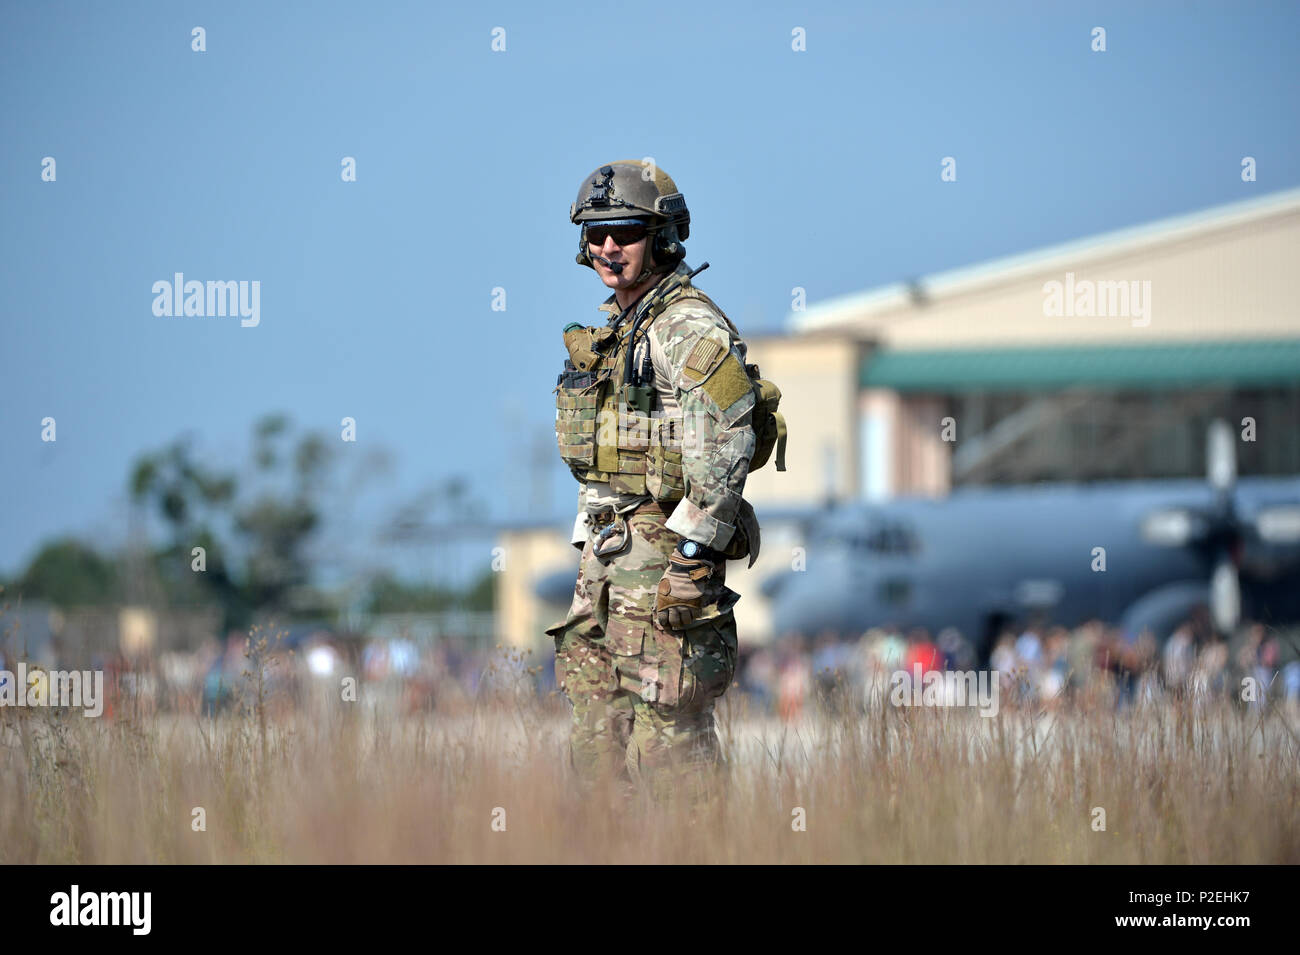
681 592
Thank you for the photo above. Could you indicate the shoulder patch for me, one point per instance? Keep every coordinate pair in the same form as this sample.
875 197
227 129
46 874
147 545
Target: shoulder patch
703 358
728 384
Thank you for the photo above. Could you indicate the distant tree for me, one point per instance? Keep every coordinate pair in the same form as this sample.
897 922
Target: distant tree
481 595
183 492
255 548
390 595
277 525
193 502
257 533
69 573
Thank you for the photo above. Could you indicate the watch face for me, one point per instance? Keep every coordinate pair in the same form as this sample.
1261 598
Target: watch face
690 548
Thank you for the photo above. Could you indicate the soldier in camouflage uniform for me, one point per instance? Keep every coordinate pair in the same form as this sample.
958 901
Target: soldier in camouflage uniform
654 420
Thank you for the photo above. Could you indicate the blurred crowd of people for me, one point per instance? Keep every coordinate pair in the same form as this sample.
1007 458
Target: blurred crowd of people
234 674
1040 665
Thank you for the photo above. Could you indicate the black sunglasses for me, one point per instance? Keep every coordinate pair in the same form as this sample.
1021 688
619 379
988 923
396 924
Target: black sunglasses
621 234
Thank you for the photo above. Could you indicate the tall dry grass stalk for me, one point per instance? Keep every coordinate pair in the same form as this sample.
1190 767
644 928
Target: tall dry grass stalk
339 782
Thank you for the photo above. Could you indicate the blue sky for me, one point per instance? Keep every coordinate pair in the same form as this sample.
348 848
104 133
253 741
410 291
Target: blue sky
817 169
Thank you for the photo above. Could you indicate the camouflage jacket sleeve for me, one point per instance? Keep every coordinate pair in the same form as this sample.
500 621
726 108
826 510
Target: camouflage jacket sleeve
695 352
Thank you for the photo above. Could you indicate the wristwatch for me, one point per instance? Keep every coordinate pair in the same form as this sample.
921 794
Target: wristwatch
695 551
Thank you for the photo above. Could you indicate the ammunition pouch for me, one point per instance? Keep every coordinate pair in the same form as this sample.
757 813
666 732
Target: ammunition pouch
586 344
664 479
577 394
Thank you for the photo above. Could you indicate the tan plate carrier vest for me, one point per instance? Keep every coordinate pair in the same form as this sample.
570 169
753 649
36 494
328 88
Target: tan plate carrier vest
602 434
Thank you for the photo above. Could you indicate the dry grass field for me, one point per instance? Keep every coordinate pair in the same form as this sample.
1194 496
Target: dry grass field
343 783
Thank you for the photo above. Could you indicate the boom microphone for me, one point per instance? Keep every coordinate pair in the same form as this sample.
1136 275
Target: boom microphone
615 267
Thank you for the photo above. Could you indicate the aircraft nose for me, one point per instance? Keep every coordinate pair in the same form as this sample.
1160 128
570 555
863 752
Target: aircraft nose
808 602
773 584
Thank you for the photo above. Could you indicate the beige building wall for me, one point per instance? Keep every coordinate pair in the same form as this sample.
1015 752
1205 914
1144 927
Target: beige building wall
1233 280
818 378
529 554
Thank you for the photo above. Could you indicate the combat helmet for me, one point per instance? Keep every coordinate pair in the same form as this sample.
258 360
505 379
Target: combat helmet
629 190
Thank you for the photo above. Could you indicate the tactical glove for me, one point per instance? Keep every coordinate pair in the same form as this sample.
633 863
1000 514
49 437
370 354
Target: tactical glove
681 592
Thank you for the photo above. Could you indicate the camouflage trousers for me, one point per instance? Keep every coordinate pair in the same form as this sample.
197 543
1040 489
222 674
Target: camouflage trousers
643 697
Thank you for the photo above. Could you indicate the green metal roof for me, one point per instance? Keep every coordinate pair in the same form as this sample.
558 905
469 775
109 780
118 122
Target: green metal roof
1137 366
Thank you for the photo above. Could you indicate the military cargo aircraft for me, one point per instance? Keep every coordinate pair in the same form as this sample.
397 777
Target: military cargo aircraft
1137 553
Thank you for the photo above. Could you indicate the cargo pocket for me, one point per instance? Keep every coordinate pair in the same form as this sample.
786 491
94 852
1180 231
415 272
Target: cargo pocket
662 666
635 673
624 639
709 664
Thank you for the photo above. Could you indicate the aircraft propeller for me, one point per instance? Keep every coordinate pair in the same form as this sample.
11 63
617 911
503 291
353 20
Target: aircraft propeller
1219 529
